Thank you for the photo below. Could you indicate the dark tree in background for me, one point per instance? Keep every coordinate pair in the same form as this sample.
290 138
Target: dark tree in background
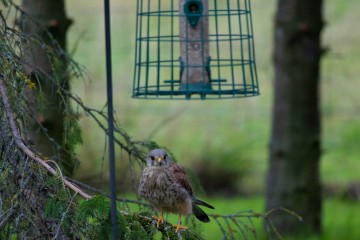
50 18
293 179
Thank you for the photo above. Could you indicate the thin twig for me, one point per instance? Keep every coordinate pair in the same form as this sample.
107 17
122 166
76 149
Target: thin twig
98 191
63 216
164 122
11 211
19 142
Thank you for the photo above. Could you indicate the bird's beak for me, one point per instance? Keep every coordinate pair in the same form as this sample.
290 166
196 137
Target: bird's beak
159 159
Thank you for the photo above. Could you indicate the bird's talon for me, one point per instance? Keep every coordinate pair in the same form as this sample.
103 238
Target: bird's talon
178 227
158 220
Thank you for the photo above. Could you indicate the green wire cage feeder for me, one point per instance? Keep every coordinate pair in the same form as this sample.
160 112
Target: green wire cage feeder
194 49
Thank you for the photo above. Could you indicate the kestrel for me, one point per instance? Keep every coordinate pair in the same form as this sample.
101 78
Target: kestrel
165 185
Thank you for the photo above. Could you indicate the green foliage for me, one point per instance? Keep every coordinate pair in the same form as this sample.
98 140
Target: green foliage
5 2
73 135
139 228
95 208
96 214
54 209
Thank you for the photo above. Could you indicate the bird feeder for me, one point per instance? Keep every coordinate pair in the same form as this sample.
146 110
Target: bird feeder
194 49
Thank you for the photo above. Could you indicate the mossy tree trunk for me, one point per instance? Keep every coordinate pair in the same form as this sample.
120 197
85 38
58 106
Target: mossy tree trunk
293 179
50 17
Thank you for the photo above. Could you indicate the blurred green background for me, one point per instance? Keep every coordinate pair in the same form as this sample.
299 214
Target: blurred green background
225 142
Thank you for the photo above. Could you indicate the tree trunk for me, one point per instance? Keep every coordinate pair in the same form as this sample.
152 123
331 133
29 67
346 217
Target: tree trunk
293 180
51 18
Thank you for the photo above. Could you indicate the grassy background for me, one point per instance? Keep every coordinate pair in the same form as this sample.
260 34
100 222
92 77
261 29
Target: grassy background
231 133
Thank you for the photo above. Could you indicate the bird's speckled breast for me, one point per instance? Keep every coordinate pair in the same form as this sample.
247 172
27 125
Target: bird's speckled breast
157 186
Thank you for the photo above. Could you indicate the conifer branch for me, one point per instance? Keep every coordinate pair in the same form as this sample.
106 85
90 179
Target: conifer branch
20 144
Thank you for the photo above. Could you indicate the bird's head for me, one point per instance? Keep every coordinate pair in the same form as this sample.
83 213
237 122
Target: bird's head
158 157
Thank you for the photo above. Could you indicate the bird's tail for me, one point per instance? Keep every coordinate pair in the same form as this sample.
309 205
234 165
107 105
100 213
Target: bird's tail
202 203
199 213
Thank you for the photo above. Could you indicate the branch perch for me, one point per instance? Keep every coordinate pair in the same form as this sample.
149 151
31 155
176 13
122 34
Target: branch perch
20 144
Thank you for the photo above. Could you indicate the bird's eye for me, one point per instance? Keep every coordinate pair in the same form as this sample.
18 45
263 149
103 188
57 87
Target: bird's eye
152 158
165 156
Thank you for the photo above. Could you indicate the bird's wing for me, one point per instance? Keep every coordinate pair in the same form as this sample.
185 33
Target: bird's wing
181 177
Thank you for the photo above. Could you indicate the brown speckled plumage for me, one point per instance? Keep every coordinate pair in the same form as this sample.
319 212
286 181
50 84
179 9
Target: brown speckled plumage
165 185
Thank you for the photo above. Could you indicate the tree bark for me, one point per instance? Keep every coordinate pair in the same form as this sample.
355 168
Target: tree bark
293 180
51 18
